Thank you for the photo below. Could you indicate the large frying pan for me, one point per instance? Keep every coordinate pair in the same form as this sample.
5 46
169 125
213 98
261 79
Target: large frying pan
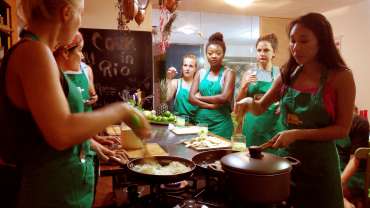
204 160
163 160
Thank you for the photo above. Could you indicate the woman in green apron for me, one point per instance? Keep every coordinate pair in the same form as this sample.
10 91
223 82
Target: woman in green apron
260 129
354 169
178 89
212 90
316 92
69 58
50 135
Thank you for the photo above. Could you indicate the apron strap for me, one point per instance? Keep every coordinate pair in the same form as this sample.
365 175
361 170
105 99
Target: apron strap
179 87
206 75
323 78
273 73
220 73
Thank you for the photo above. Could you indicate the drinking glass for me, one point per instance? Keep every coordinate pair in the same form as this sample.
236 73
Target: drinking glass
253 71
180 120
203 129
238 143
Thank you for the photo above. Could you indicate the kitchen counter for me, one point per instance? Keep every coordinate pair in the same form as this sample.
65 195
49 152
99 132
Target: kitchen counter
168 140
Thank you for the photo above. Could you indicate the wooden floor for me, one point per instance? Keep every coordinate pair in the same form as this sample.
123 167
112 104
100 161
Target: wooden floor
104 194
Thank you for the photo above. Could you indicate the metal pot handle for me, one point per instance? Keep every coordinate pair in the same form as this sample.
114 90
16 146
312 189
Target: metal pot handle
214 167
293 161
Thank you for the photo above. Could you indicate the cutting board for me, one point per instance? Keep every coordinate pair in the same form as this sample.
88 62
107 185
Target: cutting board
153 149
186 130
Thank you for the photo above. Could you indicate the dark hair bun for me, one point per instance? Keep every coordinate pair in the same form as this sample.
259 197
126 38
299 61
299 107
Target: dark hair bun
216 37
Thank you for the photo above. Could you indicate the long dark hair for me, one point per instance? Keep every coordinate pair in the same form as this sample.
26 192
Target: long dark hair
328 54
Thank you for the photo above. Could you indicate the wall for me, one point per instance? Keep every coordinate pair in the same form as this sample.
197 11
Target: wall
93 17
277 26
245 50
352 25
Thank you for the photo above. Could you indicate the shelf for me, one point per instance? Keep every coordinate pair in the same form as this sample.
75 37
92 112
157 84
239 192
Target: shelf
5 28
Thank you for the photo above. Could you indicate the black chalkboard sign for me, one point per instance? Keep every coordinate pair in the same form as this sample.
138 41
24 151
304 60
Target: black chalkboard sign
121 62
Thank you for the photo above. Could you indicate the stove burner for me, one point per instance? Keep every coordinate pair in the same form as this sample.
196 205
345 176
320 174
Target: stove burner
174 187
190 203
198 191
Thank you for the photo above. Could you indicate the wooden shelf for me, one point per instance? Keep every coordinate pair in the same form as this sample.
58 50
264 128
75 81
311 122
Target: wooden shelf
5 28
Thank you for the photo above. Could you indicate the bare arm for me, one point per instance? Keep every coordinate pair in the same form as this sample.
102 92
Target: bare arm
227 92
345 91
243 90
40 89
350 169
260 106
92 92
171 88
194 90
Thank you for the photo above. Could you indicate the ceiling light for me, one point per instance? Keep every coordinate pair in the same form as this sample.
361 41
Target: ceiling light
187 29
250 35
239 3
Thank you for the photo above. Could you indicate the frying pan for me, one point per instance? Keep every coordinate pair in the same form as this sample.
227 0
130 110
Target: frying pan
163 160
204 160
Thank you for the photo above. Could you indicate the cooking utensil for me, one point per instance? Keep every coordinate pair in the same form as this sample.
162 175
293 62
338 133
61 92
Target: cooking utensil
147 157
163 160
267 177
204 160
255 151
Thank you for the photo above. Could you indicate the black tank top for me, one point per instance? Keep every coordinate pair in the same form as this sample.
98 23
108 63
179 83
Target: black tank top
18 128
21 138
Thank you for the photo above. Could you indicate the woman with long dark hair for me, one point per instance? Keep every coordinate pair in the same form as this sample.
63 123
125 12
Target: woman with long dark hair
316 92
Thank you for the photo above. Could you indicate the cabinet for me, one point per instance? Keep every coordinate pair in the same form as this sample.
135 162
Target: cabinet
5 28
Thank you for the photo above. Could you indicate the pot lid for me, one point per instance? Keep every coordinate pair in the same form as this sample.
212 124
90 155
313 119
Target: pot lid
265 165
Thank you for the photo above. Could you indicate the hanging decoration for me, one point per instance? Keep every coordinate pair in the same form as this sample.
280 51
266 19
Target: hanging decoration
166 19
171 5
129 10
139 18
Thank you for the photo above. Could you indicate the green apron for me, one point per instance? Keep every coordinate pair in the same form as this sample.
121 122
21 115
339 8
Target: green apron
182 106
82 83
316 182
259 129
357 182
218 120
52 178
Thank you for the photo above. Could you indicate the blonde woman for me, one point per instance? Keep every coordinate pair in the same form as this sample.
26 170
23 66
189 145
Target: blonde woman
178 89
51 136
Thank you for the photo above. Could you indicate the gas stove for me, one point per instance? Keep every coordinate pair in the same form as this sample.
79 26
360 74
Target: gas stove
198 191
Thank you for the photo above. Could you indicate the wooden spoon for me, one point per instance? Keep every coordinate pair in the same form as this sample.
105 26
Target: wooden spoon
147 156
